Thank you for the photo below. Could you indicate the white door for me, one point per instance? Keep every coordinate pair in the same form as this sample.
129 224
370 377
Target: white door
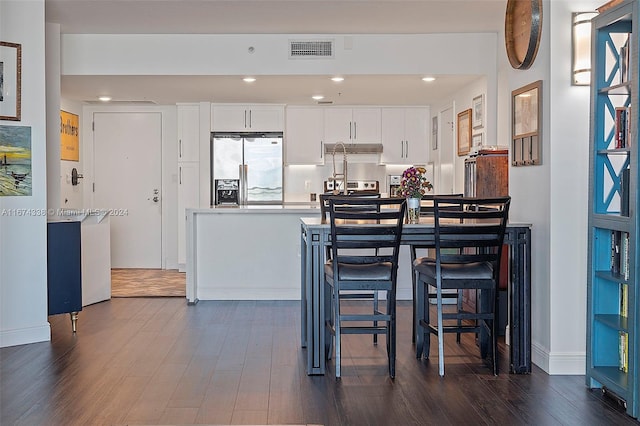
127 167
447 149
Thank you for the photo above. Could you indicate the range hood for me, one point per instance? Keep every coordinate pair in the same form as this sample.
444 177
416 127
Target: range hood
354 148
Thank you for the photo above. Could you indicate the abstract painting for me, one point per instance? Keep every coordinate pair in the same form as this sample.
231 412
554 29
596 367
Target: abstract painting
15 160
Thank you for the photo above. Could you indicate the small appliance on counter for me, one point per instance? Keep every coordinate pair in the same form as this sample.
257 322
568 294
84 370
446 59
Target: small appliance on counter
353 186
394 185
227 192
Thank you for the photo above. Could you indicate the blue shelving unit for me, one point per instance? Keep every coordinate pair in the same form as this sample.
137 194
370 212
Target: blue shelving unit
612 297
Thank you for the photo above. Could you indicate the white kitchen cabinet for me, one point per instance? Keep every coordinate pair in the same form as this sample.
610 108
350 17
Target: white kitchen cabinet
304 135
188 132
247 118
352 125
188 197
405 135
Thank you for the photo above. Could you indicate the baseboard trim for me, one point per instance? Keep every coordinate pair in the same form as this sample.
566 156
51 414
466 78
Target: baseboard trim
558 363
220 293
24 336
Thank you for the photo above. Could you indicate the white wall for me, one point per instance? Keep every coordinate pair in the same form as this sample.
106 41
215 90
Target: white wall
23 239
220 54
462 100
553 196
569 151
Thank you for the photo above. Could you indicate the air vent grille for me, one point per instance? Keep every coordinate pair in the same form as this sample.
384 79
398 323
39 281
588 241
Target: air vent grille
310 49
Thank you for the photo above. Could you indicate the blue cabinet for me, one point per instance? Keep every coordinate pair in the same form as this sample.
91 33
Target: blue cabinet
612 296
64 269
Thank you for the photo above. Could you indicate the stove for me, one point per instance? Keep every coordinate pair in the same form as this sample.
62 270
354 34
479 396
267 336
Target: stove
353 186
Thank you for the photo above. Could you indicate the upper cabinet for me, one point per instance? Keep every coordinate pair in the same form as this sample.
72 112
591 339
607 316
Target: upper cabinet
188 132
247 118
405 133
304 136
352 125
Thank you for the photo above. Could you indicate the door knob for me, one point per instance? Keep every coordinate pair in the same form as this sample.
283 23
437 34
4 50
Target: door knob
155 199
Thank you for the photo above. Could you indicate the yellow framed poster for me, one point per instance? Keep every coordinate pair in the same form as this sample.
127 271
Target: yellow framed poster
69 137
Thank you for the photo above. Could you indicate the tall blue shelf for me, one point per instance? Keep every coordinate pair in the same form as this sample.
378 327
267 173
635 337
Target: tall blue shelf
613 291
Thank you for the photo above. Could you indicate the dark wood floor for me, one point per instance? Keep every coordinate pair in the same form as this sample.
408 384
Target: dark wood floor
159 361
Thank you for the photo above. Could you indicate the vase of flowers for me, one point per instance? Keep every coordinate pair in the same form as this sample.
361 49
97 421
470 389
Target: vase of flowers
413 186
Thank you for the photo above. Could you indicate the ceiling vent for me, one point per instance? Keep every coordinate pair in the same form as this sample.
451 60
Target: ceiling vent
325 102
310 49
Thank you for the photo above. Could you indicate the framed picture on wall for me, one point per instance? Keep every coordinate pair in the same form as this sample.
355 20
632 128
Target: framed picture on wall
477 140
464 132
434 133
10 80
526 113
478 112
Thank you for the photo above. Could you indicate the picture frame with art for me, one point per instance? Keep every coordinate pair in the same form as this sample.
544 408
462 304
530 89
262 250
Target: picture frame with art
434 133
477 140
478 111
526 125
464 129
10 80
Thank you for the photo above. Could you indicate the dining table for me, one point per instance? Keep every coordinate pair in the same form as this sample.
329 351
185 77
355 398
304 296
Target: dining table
315 237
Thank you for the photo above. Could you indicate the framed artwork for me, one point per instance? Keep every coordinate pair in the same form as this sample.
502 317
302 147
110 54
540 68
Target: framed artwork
464 132
434 133
15 161
69 136
526 112
478 112
10 80
477 139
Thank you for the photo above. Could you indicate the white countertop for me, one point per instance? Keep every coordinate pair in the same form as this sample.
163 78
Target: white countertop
293 208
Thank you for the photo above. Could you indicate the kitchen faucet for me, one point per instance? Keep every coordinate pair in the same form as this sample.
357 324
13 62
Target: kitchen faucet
336 177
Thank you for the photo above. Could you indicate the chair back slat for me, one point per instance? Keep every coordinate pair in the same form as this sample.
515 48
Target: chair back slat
474 227
324 200
363 227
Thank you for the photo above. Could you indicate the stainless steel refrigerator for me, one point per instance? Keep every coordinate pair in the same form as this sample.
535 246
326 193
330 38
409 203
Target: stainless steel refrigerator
254 159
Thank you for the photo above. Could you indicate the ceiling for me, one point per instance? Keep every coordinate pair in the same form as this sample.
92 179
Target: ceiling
271 17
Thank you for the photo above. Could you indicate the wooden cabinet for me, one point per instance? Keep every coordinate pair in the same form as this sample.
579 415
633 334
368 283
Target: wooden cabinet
613 296
487 174
405 133
352 125
304 135
249 118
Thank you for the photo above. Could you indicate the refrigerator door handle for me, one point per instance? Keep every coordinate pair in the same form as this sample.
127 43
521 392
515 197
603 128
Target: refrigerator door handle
243 193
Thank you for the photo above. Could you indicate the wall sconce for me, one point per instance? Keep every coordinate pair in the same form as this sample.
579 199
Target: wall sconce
581 48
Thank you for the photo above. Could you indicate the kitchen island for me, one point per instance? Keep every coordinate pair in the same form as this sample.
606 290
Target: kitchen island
253 253
245 253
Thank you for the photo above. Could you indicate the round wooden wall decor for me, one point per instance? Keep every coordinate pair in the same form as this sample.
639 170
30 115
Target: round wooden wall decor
522 31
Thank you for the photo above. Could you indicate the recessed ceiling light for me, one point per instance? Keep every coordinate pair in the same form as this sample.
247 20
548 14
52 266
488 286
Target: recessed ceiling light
428 79
317 97
104 98
249 79
337 79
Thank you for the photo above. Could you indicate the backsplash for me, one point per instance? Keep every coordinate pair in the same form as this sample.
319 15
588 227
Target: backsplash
301 181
